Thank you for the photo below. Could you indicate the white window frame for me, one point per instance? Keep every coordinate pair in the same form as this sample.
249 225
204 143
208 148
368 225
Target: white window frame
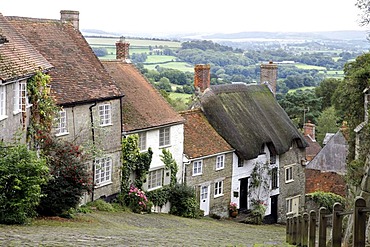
197 167
142 140
103 171
218 188
288 174
20 97
61 127
3 102
105 114
155 179
290 207
220 162
164 137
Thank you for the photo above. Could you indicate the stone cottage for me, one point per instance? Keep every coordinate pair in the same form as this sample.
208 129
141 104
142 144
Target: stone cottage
19 61
146 113
90 101
249 118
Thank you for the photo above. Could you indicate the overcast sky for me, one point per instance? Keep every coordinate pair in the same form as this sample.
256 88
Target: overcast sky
174 16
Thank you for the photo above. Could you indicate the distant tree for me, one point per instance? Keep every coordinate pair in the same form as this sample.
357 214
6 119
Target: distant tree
325 91
100 51
326 123
301 106
164 84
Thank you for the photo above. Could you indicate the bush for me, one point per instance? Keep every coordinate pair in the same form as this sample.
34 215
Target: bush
136 200
101 205
184 202
70 178
160 196
326 199
21 175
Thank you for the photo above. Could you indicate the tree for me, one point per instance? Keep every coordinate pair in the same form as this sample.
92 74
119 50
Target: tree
348 99
326 123
22 174
325 90
301 106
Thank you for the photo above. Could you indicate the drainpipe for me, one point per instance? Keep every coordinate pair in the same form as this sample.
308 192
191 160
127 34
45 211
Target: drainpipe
93 141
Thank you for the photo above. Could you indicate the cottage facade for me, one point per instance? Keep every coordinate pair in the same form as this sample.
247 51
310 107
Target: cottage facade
90 101
19 61
208 164
146 113
249 118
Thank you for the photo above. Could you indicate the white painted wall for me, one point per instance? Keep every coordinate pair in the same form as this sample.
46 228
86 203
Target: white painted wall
245 171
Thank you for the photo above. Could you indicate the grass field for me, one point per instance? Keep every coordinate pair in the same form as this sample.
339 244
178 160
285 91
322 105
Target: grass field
159 59
301 88
305 66
184 67
183 96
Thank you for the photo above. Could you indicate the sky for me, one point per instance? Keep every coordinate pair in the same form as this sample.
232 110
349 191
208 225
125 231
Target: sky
196 16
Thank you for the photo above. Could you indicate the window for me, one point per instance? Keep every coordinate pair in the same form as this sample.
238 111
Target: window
240 162
219 188
20 97
105 114
61 123
274 178
292 205
289 206
197 167
155 179
103 171
289 174
142 141
164 137
2 102
220 162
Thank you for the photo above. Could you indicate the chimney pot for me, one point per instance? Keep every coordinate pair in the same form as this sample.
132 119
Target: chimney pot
122 49
202 77
70 16
309 130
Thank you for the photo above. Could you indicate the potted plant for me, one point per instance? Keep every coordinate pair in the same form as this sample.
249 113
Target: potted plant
233 211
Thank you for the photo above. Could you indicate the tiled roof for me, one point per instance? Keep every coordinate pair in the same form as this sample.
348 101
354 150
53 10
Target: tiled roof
143 106
248 116
313 149
78 76
18 58
201 139
333 156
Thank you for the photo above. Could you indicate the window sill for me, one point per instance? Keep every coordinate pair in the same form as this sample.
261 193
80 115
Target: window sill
154 188
106 125
102 184
289 181
216 196
62 134
165 146
3 117
219 169
198 174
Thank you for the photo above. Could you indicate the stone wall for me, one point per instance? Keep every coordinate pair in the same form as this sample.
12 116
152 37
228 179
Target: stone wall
296 188
218 205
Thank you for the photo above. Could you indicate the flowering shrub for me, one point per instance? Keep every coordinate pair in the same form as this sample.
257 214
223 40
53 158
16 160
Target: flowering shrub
232 206
137 200
70 177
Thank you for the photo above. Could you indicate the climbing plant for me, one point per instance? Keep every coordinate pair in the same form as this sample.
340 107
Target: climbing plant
43 110
170 164
134 162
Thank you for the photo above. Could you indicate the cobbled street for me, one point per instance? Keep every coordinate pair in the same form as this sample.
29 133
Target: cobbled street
128 229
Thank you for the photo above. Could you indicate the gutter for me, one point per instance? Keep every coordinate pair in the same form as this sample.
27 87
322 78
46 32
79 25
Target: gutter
93 141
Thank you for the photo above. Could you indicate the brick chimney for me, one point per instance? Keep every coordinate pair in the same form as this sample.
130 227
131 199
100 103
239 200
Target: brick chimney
122 49
70 16
269 76
202 77
309 130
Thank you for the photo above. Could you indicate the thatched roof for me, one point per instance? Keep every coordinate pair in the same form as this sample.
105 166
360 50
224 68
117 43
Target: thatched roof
248 116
